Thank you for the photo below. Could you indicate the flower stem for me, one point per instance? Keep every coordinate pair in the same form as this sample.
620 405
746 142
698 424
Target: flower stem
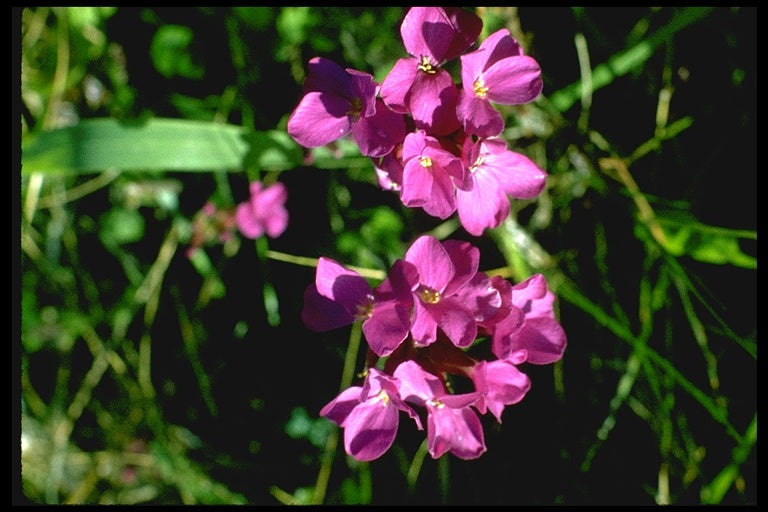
329 452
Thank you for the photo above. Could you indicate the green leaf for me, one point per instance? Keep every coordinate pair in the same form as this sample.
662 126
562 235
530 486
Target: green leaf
95 145
170 52
708 244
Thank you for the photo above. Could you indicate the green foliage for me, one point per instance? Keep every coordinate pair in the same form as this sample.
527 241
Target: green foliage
156 374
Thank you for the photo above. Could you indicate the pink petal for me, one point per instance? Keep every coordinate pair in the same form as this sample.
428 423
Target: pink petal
319 119
485 206
342 285
513 81
432 261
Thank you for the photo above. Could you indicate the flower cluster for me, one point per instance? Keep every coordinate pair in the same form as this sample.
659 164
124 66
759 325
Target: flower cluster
262 213
437 145
433 305
433 142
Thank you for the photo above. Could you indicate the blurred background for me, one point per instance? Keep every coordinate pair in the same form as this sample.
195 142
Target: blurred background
146 374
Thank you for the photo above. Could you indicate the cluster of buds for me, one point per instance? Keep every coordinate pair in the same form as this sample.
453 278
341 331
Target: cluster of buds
437 145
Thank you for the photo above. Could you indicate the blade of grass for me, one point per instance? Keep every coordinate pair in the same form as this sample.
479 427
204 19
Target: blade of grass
624 62
714 493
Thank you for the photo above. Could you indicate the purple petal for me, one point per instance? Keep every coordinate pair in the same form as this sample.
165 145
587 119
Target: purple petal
319 119
502 384
457 322
378 134
466 260
478 116
387 327
533 297
518 175
543 338
513 81
485 206
322 314
456 430
339 408
467 27
324 75
416 385
396 85
370 429
423 325
432 102
432 261
342 285
427 31
247 222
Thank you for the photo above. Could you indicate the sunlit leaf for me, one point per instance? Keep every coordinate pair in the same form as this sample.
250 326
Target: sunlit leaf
152 145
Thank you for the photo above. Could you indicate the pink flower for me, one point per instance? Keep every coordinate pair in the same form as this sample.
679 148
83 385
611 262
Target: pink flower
499 72
418 85
430 174
443 270
452 425
500 383
538 338
334 102
263 212
341 296
494 173
370 415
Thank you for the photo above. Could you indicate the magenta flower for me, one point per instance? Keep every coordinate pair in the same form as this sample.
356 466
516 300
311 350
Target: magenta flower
341 296
452 425
370 415
499 383
334 102
496 72
539 338
443 270
418 85
263 212
378 134
430 175
494 173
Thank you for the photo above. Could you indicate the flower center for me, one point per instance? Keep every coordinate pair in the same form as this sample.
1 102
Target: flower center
428 295
364 310
475 166
434 402
425 66
382 397
480 89
425 161
355 107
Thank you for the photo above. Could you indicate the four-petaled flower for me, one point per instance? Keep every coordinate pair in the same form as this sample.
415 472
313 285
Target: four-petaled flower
263 212
418 85
370 415
497 72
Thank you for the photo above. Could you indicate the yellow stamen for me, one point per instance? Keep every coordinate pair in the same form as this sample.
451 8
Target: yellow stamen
434 402
382 397
480 89
425 66
365 310
429 295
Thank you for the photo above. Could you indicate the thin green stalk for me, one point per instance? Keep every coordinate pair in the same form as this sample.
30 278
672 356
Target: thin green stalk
329 451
